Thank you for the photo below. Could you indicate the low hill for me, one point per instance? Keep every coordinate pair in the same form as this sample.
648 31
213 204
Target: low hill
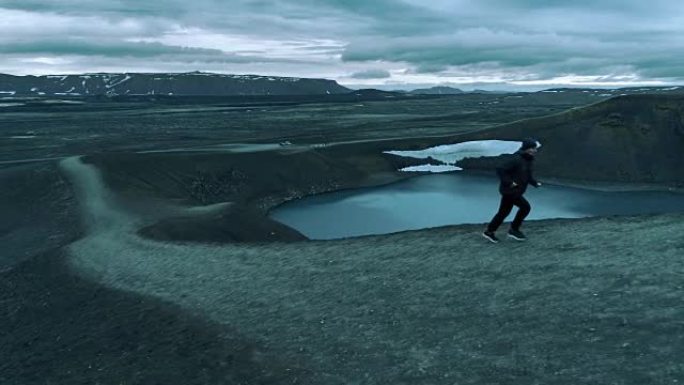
375 93
440 90
632 138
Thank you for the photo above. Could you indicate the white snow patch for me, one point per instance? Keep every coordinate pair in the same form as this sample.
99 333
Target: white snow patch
671 88
431 168
11 104
8 92
452 153
128 77
22 137
34 89
60 77
61 101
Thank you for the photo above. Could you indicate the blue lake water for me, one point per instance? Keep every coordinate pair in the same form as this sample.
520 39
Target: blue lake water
455 198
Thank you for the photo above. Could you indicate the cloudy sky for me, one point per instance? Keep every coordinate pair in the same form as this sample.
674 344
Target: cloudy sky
490 44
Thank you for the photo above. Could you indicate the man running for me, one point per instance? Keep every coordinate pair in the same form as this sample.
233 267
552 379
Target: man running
515 175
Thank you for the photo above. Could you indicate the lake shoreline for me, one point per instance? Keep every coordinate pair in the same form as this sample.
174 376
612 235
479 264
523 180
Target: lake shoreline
336 168
445 199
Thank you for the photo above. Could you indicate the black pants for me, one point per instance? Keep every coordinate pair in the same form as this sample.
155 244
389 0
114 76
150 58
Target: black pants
507 203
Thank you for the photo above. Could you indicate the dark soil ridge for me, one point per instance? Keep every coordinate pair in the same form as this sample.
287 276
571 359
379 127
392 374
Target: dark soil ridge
253 183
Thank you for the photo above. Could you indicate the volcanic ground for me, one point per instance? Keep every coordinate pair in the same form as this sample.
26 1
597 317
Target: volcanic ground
137 250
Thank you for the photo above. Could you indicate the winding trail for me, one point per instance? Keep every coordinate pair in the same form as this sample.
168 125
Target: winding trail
589 301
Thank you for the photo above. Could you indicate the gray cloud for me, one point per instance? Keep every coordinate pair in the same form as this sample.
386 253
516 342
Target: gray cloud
102 48
372 74
522 40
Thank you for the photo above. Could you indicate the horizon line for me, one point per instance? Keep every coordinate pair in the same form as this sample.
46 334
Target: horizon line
466 87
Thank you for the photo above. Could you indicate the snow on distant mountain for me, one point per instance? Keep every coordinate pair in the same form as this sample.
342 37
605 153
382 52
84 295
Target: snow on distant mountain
609 92
192 83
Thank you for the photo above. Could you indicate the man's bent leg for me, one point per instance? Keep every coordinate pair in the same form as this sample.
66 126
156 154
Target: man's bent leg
505 208
523 210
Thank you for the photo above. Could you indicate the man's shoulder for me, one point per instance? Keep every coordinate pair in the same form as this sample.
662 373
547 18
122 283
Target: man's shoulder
510 158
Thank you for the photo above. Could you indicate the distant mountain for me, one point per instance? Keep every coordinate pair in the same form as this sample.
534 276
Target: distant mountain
374 93
192 83
477 91
440 90
632 138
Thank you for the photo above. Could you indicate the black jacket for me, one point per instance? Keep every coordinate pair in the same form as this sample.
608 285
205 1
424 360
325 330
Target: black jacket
519 170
